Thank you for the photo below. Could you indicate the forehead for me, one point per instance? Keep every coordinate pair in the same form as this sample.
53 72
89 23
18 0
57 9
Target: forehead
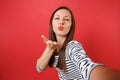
62 12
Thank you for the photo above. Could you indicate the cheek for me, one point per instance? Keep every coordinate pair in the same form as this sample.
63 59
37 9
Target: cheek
69 26
67 30
54 26
55 29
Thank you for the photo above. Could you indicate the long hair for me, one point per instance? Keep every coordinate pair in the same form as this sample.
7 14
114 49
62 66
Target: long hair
61 60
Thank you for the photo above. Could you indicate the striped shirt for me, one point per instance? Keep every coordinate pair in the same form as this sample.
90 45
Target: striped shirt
78 64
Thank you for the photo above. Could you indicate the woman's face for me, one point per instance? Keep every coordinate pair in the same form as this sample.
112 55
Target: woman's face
62 22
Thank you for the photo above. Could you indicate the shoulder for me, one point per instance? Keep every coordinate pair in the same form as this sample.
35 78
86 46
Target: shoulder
74 43
73 47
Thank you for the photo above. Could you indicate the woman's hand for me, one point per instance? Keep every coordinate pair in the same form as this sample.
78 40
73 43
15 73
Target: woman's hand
52 45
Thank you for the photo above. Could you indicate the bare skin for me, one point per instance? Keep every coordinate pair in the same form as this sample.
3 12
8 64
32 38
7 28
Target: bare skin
104 73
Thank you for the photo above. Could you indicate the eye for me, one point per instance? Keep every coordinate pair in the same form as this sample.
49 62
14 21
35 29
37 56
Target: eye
57 18
67 19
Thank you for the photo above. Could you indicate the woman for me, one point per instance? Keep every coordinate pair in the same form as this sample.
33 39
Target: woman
66 54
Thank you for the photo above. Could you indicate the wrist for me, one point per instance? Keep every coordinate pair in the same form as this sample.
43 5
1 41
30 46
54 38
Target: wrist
49 50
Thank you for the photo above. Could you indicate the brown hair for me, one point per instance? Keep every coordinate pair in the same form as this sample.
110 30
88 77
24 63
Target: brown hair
61 61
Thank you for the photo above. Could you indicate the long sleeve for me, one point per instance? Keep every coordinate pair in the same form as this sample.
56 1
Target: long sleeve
38 68
77 55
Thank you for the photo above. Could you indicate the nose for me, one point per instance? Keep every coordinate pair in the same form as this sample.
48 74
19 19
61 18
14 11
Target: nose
61 22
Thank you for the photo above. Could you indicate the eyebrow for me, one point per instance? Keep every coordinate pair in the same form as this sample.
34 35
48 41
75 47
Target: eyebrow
56 15
59 16
67 16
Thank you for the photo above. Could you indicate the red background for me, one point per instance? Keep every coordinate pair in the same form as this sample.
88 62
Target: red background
22 22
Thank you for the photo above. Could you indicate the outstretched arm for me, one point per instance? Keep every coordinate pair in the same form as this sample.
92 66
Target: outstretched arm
89 69
43 61
104 73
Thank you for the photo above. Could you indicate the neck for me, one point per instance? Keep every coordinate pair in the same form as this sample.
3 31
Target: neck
60 40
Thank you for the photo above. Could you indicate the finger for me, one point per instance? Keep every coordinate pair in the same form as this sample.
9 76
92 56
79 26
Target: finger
44 38
49 42
54 43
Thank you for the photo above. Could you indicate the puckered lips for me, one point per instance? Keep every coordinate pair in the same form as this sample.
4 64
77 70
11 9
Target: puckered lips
60 28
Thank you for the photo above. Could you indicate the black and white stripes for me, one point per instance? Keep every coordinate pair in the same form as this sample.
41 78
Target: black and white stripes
78 64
